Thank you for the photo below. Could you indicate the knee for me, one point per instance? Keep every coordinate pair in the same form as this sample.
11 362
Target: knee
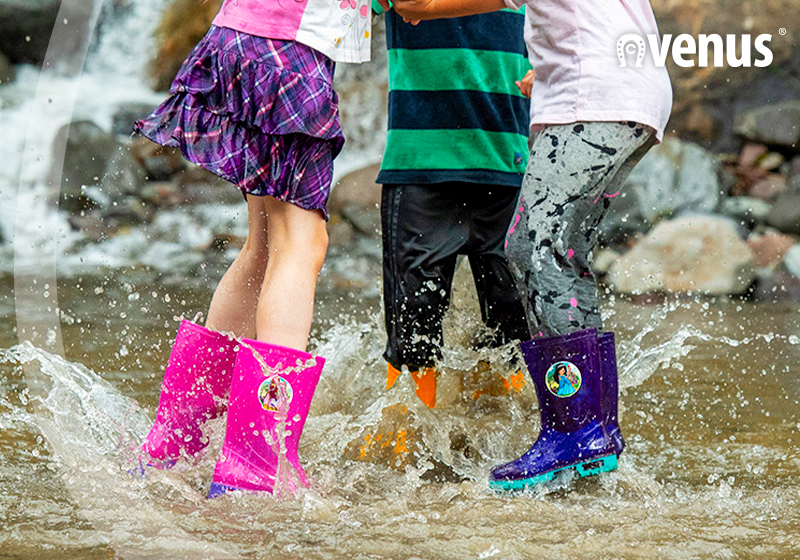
254 254
317 247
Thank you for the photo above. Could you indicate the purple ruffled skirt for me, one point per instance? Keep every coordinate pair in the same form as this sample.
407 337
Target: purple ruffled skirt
260 113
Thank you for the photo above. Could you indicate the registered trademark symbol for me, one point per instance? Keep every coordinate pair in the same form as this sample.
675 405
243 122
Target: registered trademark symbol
782 31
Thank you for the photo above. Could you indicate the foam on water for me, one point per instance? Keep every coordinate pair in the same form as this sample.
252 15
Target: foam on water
435 503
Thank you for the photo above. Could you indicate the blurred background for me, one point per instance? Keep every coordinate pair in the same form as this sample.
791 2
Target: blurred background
107 241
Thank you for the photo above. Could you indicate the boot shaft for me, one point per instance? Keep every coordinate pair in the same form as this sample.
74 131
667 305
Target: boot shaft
566 374
198 374
195 389
273 385
271 393
608 359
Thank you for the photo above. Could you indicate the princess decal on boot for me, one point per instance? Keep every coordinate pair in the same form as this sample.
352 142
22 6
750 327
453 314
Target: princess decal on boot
269 393
563 379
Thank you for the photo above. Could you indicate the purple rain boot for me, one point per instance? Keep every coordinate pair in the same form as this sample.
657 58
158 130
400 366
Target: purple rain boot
271 393
610 390
566 373
194 390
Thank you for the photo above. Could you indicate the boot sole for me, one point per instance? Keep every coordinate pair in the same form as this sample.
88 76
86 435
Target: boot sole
584 469
217 489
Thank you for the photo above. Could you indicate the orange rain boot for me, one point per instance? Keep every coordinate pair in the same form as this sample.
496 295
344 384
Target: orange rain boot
425 379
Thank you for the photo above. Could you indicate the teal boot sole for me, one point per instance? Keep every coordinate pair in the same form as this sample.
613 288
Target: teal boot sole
584 469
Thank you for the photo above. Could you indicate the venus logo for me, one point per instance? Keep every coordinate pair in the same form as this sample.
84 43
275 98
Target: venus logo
737 52
628 44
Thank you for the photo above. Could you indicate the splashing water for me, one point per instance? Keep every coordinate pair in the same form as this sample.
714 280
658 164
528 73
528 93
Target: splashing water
711 430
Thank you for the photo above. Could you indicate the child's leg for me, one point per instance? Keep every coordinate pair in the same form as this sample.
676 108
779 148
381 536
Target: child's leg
233 307
298 241
573 174
423 230
491 209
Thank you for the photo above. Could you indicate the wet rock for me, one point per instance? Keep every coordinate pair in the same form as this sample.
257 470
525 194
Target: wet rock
750 154
769 188
792 261
694 253
777 124
163 194
200 186
794 175
127 212
126 114
340 232
603 260
87 150
123 177
776 285
27 26
624 219
216 192
182 25
747 170
745 210
673 177
94 226
785 213
721 92
159 162
224 241
770 248
357 199
771 161
7 70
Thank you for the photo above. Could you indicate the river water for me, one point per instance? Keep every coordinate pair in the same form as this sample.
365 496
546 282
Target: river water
709 408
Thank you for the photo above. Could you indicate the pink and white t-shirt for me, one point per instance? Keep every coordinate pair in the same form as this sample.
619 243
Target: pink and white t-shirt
572 44
339 29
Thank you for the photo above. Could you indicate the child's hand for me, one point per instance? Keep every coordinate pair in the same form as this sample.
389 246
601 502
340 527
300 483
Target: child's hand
525 85
410 10
415 10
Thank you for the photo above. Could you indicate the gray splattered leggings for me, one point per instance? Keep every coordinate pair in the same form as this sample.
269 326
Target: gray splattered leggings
573 175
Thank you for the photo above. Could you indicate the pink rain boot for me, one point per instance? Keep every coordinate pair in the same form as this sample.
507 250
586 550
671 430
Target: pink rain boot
271 393
194 390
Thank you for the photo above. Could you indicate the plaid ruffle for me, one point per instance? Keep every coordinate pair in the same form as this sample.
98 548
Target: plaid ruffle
261 113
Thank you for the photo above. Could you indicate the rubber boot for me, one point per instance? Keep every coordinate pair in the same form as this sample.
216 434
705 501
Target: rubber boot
566 374
610 390
425 380
195 388
271 394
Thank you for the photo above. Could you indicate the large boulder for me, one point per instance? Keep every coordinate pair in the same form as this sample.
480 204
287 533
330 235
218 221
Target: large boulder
792 261
785 213
7 70
777 124
705 98
745 210
673 177
356 198
87 150
690 254
770 248
26 28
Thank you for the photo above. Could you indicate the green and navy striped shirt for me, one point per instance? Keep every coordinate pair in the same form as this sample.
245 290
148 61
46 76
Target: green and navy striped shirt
454 111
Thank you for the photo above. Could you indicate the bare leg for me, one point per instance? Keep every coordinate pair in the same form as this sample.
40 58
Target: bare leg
233 307
298 240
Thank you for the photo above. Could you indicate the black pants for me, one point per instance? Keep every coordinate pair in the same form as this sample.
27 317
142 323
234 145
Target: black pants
425 228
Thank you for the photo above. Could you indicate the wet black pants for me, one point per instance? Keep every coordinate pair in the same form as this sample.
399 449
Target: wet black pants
425 228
